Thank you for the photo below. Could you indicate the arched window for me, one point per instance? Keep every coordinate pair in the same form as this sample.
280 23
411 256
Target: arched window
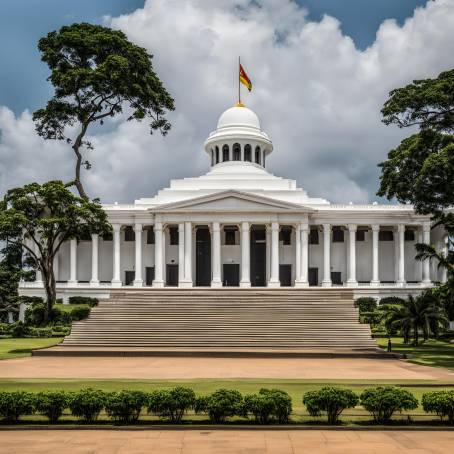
247 153
236 152
225 153
257 155
212 157
217 154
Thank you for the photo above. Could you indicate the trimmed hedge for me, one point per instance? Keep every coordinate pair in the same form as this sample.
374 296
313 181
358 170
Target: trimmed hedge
366 304
87 404
269 405
171 404
441 403
15 404
125 406
220 405
51 404
83 300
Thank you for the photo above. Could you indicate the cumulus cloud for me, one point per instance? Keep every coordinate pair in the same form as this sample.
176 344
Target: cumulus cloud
317 95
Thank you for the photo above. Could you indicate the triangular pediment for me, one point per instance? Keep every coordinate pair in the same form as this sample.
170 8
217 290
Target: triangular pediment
232 201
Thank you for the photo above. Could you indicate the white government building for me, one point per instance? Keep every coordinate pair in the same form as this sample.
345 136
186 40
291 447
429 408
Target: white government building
240 226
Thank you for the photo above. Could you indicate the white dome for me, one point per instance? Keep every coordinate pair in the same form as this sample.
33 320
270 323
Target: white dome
239 116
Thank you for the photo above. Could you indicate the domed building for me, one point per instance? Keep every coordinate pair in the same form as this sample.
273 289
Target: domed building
240 226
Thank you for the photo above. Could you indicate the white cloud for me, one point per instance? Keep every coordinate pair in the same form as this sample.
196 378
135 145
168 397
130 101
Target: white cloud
318 97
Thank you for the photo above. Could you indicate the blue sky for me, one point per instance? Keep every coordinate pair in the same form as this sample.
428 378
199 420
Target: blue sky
23 22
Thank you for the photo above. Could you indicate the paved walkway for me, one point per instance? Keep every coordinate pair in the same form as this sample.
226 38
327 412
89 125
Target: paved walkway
224 442
192 368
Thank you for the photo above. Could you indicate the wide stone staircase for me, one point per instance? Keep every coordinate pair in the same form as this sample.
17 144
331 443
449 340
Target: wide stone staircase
242 322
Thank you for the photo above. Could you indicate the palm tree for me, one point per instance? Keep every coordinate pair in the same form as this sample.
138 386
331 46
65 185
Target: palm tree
445 260
421 313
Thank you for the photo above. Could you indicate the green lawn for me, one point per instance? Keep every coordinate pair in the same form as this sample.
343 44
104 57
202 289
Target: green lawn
15 348
430 353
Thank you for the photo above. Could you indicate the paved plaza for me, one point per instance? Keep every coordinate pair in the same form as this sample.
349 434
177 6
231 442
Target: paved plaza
224 441
220 368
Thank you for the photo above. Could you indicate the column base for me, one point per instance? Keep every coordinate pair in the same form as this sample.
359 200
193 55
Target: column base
375 283
301 284
326 283
138 283
116 283
158 284
274 283
352 283
94 283
216 283
400 283
69 283
245 284
185 284
426 283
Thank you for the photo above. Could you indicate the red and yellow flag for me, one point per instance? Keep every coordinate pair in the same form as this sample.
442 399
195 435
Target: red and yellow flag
244 79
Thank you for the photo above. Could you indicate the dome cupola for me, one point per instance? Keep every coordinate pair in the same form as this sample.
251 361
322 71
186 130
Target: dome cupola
238 137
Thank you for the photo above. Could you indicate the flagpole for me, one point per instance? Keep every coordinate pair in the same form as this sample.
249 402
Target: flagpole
239 89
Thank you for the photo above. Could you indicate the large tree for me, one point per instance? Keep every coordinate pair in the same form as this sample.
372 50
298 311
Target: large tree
97 73
40 218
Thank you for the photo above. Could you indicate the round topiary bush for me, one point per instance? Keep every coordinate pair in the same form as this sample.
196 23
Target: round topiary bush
87 404
383 402
366 304
125 406
441 403
220 405
331 400
267 405
15 404
172 403
51 404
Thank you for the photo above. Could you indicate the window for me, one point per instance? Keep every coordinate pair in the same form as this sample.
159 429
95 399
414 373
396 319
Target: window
360 235
130 235
173 236
225 153
313 236
409 235
230 237
386 235
257 155
217 155
150 235
236 152
212 157
285 235
263 163
247 153
338 234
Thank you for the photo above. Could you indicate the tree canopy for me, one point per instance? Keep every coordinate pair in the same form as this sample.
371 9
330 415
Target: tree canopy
40 218
97 73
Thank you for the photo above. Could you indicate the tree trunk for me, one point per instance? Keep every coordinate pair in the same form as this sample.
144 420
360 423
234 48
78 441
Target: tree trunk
76 148
415 334
47 270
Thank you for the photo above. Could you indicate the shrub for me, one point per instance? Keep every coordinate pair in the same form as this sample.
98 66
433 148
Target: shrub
83 300
220 405
371 318
51 404
172 404
34 315
331 400
79 313
61 331
15 404
268 404
391 300
125 406
87 404
441 403
18 329
31 299
366 304
39 332
382 402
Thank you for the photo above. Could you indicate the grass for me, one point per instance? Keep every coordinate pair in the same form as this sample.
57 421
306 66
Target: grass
16 348
434 353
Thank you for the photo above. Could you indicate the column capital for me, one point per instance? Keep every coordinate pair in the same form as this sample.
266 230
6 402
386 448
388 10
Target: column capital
216 226
326 227
375 228
426 227
245 226
304 227
401 228
138 227
181 227
157 226
116 227
275 226
352 227
94 236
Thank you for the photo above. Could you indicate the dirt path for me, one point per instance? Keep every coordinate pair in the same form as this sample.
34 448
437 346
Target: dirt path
192 368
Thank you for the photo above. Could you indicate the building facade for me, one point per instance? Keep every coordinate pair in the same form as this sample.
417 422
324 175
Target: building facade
240 226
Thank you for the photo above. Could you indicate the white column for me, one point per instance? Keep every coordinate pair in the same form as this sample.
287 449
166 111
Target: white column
56 266
351 281
245 255
138 281
302 244
158 245
187 254
401 260
268 252
445 251
375 282
326 255
419 265
72 262
297 254
94 281
180 254
274 277
116 280
426 263
216 244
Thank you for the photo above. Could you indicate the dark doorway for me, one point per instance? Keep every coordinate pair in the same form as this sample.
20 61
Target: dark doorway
203 257
285 275
336 277
231 275
172 275
129 277
149 275
313 277
258 257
